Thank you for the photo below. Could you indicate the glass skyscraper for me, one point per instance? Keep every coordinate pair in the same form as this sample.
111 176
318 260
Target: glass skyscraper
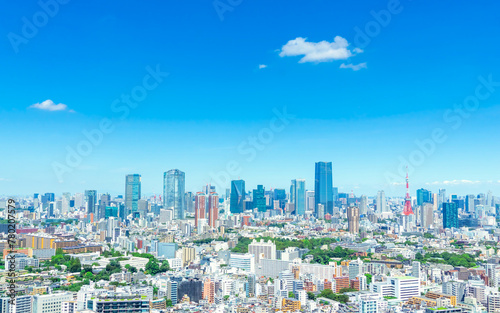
423 196
236 204
259 200
450 215
298 195
174 184
323 186
91 199
132 192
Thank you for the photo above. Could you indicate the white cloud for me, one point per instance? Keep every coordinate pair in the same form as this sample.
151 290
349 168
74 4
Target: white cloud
49 105
455 182
316 52
354 67
3 179
261 66
397 184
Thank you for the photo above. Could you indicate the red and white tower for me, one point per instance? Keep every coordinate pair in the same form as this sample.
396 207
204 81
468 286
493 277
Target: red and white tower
407 210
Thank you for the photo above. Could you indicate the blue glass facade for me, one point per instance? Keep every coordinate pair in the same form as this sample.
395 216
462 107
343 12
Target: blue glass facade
236 203
132 192
450 215
323 189
174 184
298 195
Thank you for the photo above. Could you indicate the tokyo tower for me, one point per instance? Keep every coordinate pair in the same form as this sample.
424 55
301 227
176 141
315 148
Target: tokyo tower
407 210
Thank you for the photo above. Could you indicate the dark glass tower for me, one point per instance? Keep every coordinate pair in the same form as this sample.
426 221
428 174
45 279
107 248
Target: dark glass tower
132 192
450 215
174 184
298 195
259 200
91 198
236 204
323 189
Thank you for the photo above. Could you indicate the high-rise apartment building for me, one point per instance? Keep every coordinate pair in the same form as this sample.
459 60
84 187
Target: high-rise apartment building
200 211
213 209
381 203
353 219
262 248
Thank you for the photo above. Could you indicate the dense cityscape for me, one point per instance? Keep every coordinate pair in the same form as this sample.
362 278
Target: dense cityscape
307 247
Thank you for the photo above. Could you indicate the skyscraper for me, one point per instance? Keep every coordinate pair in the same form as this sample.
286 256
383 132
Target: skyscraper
236 203
259 199
469 203
213 208
423 196
381 202
132 192
353 219
441 198
91 199
298 195
363 205
426 215
323 186
450 215
280 196
174 182
199 207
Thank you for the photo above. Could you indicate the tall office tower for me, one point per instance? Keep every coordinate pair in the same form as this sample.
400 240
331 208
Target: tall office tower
132 192
323 186
441 198
415 269
381 202
363 205
189 202
489 198
91 200
174 183
335 194
79 200
103 203
450 215
200 210
298 195
310 200
213 209
259 199
280 196
469 203
353 219
236 203
426 215
423 196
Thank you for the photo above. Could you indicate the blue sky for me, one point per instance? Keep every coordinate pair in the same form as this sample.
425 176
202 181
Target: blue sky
361 104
